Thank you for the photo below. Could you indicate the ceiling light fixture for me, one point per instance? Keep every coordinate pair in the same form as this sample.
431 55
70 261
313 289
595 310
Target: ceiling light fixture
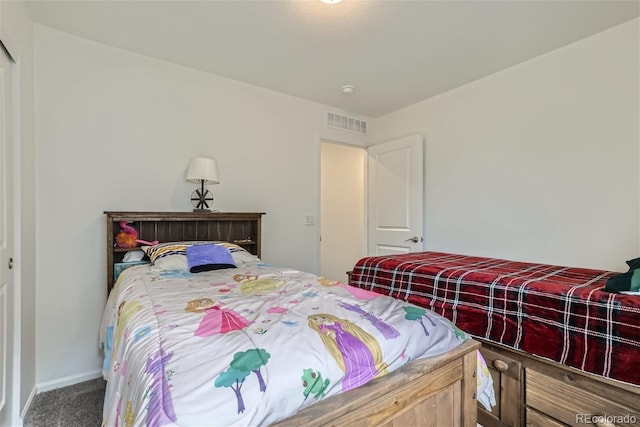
348 89
331 1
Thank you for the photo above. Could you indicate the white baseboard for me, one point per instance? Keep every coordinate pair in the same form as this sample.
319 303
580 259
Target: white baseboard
69 380
29 401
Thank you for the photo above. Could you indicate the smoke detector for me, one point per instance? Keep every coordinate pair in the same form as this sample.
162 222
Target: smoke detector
348 89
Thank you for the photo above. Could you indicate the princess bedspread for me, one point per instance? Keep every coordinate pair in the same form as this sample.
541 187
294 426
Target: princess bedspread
250 346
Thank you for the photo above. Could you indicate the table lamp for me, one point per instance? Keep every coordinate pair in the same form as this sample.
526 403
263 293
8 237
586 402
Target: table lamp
202 171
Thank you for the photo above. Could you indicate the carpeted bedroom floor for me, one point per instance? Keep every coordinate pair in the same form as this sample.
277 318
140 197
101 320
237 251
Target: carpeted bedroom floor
79 405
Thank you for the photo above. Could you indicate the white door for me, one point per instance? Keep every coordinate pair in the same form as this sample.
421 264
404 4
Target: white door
6 226
395 196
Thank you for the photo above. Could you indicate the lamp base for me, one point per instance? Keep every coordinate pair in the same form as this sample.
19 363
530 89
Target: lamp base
206 210
201 199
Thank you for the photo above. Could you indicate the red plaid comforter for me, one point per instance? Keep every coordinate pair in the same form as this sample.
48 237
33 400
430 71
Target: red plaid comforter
555 312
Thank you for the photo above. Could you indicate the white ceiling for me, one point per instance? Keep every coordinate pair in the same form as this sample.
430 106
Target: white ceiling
395 53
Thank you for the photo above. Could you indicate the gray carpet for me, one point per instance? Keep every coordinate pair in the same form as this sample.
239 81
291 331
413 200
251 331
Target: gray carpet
79 405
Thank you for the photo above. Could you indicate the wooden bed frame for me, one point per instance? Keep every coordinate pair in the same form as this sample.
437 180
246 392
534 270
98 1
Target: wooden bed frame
538 392
533 391
435 391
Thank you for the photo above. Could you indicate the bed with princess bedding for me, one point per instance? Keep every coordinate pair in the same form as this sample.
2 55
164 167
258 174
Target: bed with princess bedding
560 342
207 334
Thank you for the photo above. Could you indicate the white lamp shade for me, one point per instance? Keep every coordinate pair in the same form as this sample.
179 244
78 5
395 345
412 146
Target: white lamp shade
203 169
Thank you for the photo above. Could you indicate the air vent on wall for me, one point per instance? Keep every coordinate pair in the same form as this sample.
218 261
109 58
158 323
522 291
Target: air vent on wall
350 124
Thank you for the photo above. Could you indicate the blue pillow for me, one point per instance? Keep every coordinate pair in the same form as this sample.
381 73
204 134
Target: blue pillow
208 257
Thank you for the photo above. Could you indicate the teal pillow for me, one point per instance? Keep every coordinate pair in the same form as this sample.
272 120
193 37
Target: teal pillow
629 281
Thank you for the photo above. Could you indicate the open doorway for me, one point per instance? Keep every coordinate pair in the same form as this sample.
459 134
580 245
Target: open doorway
342 208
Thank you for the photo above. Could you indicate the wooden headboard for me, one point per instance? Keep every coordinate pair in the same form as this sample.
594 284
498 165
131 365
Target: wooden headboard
242 228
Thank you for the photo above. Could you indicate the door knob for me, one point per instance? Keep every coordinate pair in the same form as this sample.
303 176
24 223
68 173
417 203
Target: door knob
414 239
10 263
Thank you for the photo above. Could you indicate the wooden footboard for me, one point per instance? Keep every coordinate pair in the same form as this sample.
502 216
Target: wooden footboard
437 391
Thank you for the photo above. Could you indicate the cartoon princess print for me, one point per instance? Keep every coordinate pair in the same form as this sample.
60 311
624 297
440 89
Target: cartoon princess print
388 331
216 320
239 277
252 284
126 310
355 351
361 294
160 410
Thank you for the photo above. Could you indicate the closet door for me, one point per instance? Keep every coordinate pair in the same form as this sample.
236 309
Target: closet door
6 228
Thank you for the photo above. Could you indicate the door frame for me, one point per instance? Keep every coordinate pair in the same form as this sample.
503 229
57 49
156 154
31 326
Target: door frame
364 144
320 138
362 243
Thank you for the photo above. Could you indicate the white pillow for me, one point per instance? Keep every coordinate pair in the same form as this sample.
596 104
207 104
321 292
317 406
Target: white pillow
171 262
244 257
132 256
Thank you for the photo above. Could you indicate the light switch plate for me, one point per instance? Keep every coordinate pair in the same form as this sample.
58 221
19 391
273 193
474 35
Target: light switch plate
310 219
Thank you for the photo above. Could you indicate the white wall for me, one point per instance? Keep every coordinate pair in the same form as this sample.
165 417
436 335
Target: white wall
342 195
539 162
115 131
17 26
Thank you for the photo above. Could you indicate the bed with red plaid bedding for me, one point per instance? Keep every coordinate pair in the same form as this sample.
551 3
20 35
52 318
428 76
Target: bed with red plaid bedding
560 313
